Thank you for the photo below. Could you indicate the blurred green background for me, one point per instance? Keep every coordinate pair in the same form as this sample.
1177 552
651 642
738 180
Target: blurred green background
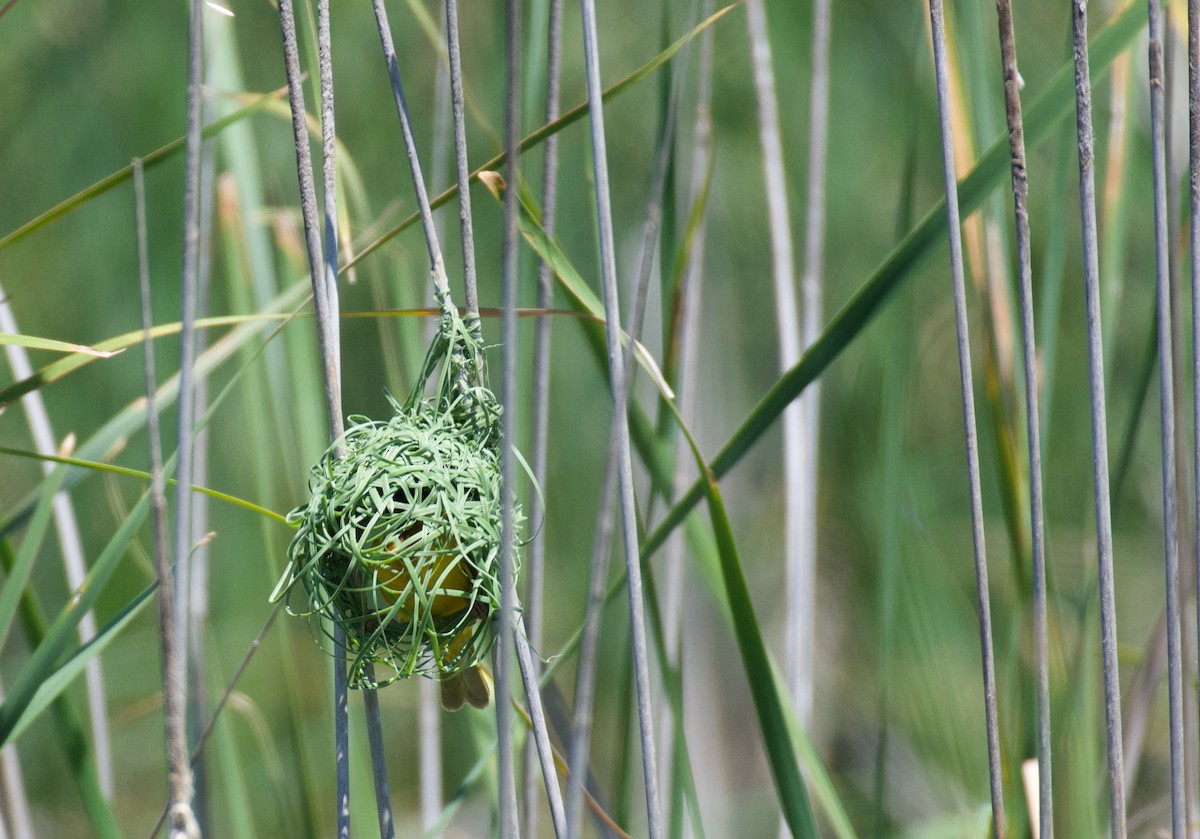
87 85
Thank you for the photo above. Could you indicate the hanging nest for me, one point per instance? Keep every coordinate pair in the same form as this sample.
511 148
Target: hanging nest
399 543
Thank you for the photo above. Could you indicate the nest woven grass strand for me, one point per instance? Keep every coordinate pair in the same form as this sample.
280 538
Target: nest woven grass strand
399 542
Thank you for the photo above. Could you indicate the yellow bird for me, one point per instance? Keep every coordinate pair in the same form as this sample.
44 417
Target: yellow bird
445 582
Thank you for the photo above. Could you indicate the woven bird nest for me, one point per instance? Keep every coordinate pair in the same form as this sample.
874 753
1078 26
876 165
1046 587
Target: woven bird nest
400 540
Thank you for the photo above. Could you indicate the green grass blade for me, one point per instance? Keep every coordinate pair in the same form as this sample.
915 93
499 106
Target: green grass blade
34 343
537 137
111 346
1043 115
583 299
580 295
124 174
145 476
17 577
814 769
50 690
43 662
785 768
683 258
112 435
67 725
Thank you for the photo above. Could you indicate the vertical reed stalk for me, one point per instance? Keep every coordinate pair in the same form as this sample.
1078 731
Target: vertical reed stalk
1020 190
442 127
203 734
1108 620
540 408
182 538
509 820
803 585
1167 402
985 249
508 814
429 722
174 615
541 734
617 373
1175 165
968 408
585 677
660 198
331 325
197 610
1194 242
797 557
462 167
325 303
182 822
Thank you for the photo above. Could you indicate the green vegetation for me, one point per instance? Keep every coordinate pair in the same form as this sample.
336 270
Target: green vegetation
896 742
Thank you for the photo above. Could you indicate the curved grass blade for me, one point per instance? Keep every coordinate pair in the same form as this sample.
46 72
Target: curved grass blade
67 725
55 640
704 553
826 794
17 577
32 342
1050 107
49 690
823 790
125 173
112 346
111 468
579 293
111 436
66 522
540 135
785 768
45 657
584 300
56 370
573 115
